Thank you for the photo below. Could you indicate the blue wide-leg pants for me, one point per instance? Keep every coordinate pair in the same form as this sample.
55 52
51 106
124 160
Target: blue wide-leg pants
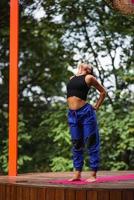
84 132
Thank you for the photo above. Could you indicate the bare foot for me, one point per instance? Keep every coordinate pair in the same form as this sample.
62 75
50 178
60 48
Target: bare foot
76 177
92 177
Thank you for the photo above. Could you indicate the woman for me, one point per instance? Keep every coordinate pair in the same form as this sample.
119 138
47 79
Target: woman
82 120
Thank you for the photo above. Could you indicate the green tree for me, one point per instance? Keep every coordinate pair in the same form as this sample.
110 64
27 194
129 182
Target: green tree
84 31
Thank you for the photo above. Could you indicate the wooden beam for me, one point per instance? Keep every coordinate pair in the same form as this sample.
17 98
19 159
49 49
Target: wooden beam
13 88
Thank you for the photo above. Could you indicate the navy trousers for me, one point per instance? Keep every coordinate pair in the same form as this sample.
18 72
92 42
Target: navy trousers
84 132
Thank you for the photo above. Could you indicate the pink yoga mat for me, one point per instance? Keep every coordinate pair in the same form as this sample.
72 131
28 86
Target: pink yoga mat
101 179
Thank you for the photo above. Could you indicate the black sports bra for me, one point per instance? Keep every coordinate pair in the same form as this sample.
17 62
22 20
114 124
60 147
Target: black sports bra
78 87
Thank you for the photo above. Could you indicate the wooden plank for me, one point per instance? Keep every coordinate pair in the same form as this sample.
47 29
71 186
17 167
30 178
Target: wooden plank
8 192
128 195
59 194
81 195
0 192
115 195
103 195
26 193
19 192
50 193
33 193
91 195
41 194
3 192
13 192
70 194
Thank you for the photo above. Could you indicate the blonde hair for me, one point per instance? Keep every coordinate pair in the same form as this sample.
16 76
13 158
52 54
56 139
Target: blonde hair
88 66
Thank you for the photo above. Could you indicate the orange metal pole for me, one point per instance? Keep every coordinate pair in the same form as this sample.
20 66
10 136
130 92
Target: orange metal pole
13 88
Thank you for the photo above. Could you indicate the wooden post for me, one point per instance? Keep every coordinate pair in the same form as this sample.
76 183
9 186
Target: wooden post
13 88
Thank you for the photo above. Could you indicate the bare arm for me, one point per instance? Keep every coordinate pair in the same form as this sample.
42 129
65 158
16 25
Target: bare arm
92 81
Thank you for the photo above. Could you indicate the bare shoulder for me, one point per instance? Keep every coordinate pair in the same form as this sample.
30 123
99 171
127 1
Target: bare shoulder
92 81
90 78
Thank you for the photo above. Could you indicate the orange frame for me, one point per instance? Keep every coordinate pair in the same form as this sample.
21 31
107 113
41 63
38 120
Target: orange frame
13 88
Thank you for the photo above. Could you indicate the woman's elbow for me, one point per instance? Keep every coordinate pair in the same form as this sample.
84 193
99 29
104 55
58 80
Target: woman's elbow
104 93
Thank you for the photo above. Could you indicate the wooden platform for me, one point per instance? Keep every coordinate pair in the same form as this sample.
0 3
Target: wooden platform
35 187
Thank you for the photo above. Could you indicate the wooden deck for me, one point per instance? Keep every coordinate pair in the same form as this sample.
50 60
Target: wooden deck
34 186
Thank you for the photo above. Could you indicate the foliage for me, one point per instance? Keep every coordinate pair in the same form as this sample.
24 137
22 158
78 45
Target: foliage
117 139
69 31
56 121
